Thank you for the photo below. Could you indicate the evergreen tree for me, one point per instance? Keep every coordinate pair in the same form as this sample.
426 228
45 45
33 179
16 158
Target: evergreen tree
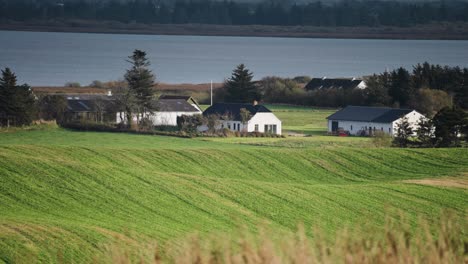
141 82
377 91
240 88
17 103
425 132
401 89
404 132
7 86
450 124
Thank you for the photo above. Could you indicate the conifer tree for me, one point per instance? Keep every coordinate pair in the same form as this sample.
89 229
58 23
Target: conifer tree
450 124
240 88
425 132
141 82
404 132
17 103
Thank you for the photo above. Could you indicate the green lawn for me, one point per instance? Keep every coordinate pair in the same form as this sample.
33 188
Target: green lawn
65 196
304 120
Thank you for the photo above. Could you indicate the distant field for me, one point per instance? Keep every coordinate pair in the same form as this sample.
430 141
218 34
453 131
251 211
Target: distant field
306 120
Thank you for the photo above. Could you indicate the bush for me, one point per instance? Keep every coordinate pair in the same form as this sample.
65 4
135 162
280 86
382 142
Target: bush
146 124
97 84
382 139
73 84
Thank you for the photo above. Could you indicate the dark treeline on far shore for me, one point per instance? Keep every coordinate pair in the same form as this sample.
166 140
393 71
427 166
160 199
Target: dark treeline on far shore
342 13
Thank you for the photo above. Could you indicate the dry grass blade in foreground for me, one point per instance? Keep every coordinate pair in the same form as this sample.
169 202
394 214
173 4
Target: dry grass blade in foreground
398 242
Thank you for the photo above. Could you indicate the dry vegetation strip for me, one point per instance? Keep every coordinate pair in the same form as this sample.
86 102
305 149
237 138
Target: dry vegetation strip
455 182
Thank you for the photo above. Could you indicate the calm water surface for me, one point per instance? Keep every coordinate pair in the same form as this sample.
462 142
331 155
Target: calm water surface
56 58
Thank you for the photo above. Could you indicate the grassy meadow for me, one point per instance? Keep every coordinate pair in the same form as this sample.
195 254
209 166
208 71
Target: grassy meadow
81 197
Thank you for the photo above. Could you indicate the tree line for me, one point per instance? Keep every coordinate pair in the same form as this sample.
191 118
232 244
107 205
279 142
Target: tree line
427 88
134 99
343 13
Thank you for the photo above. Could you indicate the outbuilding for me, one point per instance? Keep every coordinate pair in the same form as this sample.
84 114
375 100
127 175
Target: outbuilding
363 120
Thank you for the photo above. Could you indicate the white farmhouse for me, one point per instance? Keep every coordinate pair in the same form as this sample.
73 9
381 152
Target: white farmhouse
361 120
168 109
261 118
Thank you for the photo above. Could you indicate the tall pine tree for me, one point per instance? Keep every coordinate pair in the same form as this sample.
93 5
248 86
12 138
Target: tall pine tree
141 82
240 88
17 103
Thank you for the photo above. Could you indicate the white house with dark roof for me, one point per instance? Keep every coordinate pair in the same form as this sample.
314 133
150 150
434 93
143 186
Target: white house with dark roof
168 109
362 120
229 116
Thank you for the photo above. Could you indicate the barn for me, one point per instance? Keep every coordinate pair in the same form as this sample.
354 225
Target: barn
169 108
365 121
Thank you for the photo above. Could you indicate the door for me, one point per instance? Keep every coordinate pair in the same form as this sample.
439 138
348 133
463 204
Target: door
334 126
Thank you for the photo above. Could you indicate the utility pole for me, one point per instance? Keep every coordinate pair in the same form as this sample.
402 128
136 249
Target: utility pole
211 92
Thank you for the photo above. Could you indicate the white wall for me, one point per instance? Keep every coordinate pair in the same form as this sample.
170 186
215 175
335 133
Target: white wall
390 128
354 127
260 119
413 120
161 118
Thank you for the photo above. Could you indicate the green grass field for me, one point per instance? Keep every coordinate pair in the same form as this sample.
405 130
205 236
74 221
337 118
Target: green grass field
66 196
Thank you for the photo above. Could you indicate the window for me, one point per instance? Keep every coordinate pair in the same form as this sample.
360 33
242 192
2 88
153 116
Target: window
381 128
229 126
271 129
389 130
238 127
351 127
256 127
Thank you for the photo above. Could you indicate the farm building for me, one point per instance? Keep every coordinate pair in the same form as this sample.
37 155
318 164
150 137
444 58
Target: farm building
168 109
360 120
89 107
259 119
100 108
337 83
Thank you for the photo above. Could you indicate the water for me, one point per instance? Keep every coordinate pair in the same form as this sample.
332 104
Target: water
56 58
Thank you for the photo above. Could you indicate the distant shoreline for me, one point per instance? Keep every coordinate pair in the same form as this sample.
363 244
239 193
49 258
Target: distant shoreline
426 32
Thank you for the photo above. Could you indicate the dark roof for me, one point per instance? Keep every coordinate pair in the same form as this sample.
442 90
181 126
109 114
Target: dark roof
87 103
175 105
234 109
183 97
77 105
325 83
369 114
87 96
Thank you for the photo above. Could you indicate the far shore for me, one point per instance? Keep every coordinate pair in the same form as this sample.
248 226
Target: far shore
163 87
450 31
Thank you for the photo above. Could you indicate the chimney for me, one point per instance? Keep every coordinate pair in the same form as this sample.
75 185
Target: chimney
109 93
324 77
255 102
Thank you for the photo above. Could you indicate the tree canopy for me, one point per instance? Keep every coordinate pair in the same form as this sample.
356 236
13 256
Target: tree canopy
240 88
17 102
340 13
141 83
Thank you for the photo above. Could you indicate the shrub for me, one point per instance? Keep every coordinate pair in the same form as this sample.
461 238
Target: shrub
382 139
97 84
73 84
146 124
